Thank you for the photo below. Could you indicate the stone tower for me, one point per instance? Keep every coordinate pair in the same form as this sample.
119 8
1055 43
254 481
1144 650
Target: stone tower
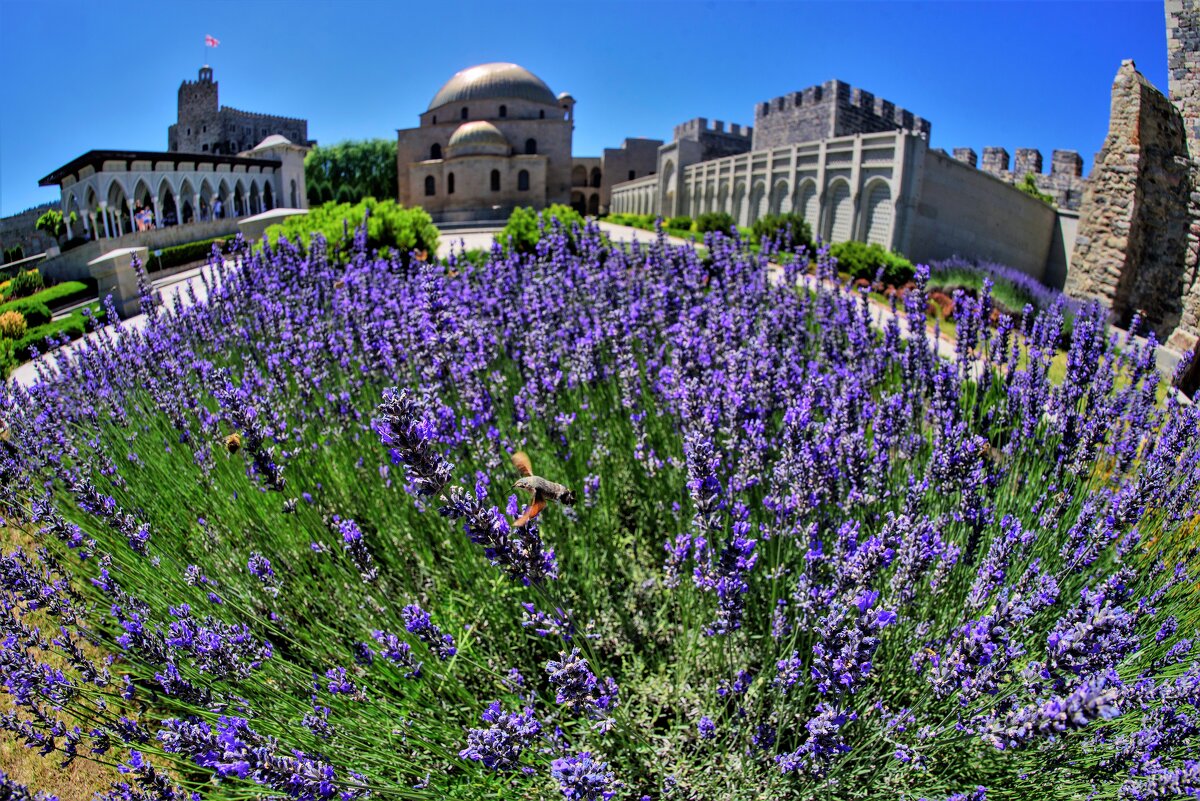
198 116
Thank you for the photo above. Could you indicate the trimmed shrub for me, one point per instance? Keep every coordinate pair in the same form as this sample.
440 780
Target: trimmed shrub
8 357
774 226
521 231
716 221
390 226
72 326
25 284
64 294
34 310
681 223
861 260
184 254
12 325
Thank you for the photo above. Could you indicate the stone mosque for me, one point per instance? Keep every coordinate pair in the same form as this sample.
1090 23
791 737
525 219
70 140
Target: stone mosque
494 137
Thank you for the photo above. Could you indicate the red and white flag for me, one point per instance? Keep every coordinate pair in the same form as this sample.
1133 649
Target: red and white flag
211 41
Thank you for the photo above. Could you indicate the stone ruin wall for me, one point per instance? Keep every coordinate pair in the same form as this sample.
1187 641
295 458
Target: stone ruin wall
1065 181
834 108
1129 253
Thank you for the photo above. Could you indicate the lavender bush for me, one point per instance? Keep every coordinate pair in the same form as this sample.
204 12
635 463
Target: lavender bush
276 553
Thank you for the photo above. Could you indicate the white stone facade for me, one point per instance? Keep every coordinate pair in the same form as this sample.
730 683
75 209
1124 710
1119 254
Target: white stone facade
106 189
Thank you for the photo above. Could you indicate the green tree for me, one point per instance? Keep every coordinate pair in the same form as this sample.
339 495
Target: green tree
352 170
1029 186
52 223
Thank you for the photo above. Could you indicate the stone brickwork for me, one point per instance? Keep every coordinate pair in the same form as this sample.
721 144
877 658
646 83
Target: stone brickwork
19 229
203 126
967 156
1065 181
716 141
1183 69
1133 227
834 108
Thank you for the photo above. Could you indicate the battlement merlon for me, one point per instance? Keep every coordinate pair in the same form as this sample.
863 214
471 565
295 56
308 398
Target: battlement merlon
259 116
694 128
1066 162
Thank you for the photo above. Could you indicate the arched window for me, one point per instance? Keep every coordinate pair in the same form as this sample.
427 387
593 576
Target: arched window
530 147
542 114
450 184
523 180
495 180
632 174
430 186
464 112
435 152
435 119
503 110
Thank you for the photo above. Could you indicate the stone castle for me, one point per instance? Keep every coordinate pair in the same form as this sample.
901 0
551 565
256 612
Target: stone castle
204 126
857 166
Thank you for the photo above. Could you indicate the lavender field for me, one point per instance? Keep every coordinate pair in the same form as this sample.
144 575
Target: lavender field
274 549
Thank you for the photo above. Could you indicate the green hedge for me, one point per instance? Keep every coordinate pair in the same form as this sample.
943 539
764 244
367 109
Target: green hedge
715 221
861 260
772 226
521 230
184 254
390 226
35 311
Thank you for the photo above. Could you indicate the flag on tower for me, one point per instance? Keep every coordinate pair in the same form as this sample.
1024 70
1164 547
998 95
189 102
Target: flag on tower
211 41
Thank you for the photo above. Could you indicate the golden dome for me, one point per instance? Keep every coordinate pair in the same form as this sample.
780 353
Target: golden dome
496 80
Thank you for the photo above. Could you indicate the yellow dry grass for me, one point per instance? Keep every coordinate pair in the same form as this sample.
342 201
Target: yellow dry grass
80 780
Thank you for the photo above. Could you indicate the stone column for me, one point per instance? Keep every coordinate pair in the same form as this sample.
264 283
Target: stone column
107 222
67 222
196 208
132 223
158 220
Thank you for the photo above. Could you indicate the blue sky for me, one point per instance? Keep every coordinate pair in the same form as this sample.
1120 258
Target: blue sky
78 76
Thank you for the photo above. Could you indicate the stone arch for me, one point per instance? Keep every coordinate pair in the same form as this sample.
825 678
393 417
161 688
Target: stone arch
430 186
117 198
710 192
435 152
579 175
494 180
808 202
239 199
450 183
223 195
839 224
669 188
739 203
781 202
187 206
167 208
595 178
531 147
758 202
268 197
878 213
293 196
206 199
255 198
523 181
578 203
142 196
723 197
594 204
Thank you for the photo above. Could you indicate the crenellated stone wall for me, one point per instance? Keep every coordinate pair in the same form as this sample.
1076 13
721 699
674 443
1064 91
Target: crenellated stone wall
1129 252
834 108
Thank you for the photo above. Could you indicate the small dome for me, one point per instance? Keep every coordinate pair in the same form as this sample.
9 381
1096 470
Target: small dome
497 80
565 96
478 138
272 140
